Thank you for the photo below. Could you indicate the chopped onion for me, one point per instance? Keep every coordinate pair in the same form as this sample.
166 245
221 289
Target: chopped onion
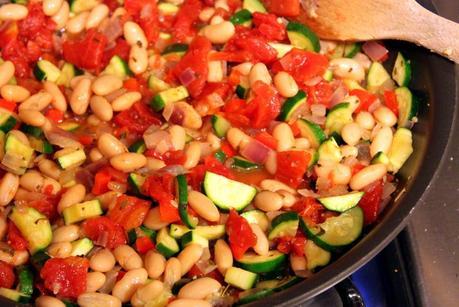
338 95
319 120
376 51
255 151
61 138
363 60
174 170
110 280
117 187
313 81
86 178
318 109
187 76
112 29
363 152
308 193
374 106
157 139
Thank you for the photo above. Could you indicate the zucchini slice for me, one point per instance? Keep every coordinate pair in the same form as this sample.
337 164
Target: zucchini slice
182 192
302 37
138 147
212 232
68 72
7 120
79 212
34 226
338 117
226 193
377 76
257 217
291 105
117 67
193 237
240 278
175 94
407 106
220 125
242 17
282 49
156 84
175 49
69 158
285 224
165 244
25 277
315 255
262 264
244 165
380 157
329 151
312 132
14 295
45 70
346 50
401 72
401 149
136 182
336 232
81 247
254 6
341 203
78 6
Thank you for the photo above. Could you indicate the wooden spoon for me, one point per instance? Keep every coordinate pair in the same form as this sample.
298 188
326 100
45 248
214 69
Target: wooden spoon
361 20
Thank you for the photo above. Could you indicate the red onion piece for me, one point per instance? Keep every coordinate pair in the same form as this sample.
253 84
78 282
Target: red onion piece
112 30
313 81
61 138
256 151
318 109
338 95
174 170
86 178
376 51
187 76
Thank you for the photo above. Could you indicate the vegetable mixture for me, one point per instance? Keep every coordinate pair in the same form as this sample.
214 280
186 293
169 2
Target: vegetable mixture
186 152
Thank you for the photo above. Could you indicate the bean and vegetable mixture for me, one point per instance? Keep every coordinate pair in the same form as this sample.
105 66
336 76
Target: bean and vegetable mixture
186 152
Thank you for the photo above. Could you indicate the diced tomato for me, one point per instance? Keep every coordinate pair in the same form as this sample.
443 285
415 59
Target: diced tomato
47 205
295 129
211 164
267 139
112 4
268 27
309 209
161 189
104 232
187 16
16 52
195 62
252 178
65 277
264 107
85 139
37 28
247 45
131 84
7 276
101 180
285 8
32 85
137 119
55 115
357 168
129 211
8 105
87 52
145 13
15 238
291 166
195 271
390 100
143 245
302 65
174 157
293 245
227 149
371 201
366 99
240 235
321 93
8 33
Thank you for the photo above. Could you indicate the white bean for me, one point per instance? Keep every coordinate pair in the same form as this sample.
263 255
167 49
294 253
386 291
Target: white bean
97 14
8 188
7 69
192 155
62 16
73 195
262 245
259 72
37 102
101 108
219 33
94 281
385 116
178 137
128 162
365 120
285 84
59 102
127 257
155 264
351 133
13 12
199 288
48 301
382 141
110 146
134 34
90 299
66 233
102 261
147 293
14 93
268 201
367 175
284 136
138 59
77 24
125 101
189 256
203 206
51 7
79 100
189 303
106 84
347 69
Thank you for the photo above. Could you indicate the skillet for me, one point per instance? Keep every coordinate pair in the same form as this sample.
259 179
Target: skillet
434 81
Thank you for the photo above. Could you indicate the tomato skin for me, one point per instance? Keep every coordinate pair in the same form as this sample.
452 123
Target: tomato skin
7 276
9 33
143 245
390 100
15 238
104 232
65 277
366 99
129 211
267 139
371 201
37 28
161 188
186 17
240 235
320 93
87 52
309 209
137 119
195 60
291 166
302 65
8 105
285 8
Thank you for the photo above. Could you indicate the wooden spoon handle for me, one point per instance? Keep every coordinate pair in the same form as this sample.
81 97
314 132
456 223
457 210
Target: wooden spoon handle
433 32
